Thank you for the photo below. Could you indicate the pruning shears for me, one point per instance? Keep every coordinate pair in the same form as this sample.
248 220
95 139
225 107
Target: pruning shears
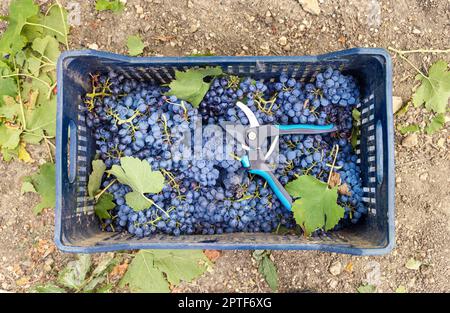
255 136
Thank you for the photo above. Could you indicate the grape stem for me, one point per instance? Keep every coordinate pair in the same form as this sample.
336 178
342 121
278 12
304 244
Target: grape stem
97 196
332 165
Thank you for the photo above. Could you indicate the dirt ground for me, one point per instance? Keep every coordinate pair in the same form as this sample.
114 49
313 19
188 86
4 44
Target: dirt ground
282 27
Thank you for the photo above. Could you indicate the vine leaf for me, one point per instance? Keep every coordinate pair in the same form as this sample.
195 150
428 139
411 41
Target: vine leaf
112 5
44 184
75 273
57 20
12 40
269 271
435 124
95 178
435 88
104 205
135 45
413 128
317 207
190 85
139 176
148 270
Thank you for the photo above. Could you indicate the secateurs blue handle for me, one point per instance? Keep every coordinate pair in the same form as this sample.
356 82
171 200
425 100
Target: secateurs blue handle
305 129
275 185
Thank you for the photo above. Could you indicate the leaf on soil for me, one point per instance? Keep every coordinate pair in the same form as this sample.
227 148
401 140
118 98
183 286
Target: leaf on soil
27 187
142 276
48 288
44 183
112 5
8 85
401 289
23 155
409 129
139 176
12 40
104 205
268 270
95 178
135 45
190 85
317 206
212 255
435 124
413 264
9 137
435 88
48 49
119 270
366 288
57 20
74 275
145 273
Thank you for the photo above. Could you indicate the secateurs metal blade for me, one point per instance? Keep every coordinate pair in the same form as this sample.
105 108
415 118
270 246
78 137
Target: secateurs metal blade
255 136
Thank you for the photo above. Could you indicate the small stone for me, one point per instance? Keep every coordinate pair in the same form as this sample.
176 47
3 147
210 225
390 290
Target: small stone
282 41
302 27
423 176
335 268
268 14
93 46
398 179
410 141
287 47
310 6
139 9
194 27
244 48
333 284
397 103
441 143
190 4
416 31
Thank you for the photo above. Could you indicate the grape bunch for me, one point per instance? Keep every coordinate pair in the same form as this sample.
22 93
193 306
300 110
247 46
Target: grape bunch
206 191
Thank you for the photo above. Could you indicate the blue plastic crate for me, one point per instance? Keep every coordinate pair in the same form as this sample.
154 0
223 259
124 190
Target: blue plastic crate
76 226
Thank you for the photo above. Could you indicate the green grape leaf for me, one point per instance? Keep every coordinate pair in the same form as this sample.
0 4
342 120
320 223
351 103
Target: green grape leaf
180 265
142 276
355 129
8 85
12 40
40 121
190 85
48 288
413 264
27 186
104 205
74 275
413 128
139 176
435 124
317 207
435 88
137 201
106 261
9 137
56 19
10 108
366 288
112 5
135 45
48 49
268 270
44 184
148 270
95 179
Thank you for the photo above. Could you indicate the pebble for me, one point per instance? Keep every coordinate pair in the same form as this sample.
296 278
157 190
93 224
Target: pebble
398 179
423 176
139 9
282 41
194 27
190 4
441 143
310 6
333 284
93 46
416 31
397 103
410 141
335 268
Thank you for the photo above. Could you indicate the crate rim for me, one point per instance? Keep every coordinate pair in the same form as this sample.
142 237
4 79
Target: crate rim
250 59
